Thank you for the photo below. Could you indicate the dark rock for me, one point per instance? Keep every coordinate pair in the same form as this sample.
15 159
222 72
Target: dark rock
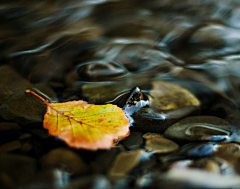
11 146
152 135
89 182
101 71
154 120
46 89
18 168
24 109
9 126
134 140
104 158
11 82
66 160
197 128
53 178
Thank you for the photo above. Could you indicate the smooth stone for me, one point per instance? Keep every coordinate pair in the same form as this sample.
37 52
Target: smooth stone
11 82
133 141
207 165
66 160
24 109
160 145
101 71
105 158
10 146
47 90
19 168
9 126
25 136
125 162
188 178
154 120
197 128
89 182
9 136
26 147
52 178
102 91
167 96
152 135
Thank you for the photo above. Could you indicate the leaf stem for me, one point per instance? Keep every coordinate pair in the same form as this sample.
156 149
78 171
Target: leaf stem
42 99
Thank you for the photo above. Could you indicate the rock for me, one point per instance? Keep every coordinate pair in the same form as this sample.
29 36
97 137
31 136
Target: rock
101 71
167 96
11 146
160 145
11 82
89 182
18 168
47 90
125 162
154 120
66 160
104 158
52 178
24 109
152 135
26 147
103 91
133 141
9 126
197 128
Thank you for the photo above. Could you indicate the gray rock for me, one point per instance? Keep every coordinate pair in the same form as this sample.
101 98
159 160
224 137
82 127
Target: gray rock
134 140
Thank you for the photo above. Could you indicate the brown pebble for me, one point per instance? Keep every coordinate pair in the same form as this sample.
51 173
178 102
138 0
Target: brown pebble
152 135
160 145
125 162
66 159
10 146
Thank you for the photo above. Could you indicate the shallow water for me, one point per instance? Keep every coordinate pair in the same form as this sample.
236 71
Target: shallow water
179 58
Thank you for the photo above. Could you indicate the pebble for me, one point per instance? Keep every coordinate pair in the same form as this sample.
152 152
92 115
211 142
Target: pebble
10 146
9 126
125 162
66 160
197 128
11 82
167 96
160 145
133 141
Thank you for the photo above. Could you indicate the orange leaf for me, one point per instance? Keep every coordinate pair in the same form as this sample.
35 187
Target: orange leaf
83 125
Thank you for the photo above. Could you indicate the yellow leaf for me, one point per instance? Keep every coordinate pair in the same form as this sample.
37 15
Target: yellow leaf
86 126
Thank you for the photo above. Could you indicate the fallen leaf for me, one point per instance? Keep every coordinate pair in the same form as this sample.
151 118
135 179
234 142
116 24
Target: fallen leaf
86 126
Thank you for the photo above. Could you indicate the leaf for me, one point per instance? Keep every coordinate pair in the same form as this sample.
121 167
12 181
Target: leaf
83 125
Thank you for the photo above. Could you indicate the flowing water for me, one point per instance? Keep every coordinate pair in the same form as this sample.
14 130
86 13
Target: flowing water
172 65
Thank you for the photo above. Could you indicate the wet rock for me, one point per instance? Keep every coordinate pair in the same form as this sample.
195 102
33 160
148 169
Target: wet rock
26 147
25 109
53 178
25 137
207 164
199 149
11 146
160 145
197 128
18 168
152 135
125 162
46 89
9 136
167 96
188 178
133 141
155 120
102 91
66 160
135 101
89 182
104 159
9 126
101 71
11 83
